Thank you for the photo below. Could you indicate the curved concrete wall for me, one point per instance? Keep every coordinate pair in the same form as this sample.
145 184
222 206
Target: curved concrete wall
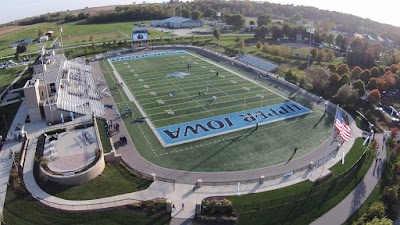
75 179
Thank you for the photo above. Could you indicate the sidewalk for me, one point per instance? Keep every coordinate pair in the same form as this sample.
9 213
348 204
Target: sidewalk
341 212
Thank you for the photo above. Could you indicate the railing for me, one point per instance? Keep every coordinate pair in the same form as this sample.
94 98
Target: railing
76 206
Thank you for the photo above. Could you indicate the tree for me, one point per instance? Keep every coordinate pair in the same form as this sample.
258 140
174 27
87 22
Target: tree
263 20
365 76
329 39
346 95
217 35
374 96
209 13
236 20
376 210
196 14
240 43
343 69
360 86
261 32
390 197
276 31
383 221
314 53
318 77
355 73
393 68
332 67
344 79
321 56
330 56
297 17
375 72
258 45
185 13
334 83
20 49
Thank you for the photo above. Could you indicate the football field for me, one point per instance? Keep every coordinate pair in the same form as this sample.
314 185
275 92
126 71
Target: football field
225 120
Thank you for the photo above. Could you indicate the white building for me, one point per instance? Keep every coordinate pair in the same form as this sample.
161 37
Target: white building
177 22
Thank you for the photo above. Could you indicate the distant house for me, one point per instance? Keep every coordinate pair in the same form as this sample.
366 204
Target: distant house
176 23
25 41
43 38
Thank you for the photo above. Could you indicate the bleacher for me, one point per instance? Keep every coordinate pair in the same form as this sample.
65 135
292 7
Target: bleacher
77 91
258 62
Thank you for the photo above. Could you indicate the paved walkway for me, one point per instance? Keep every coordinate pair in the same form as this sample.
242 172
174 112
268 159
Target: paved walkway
356 198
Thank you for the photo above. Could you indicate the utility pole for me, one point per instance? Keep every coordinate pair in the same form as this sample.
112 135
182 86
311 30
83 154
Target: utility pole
311 31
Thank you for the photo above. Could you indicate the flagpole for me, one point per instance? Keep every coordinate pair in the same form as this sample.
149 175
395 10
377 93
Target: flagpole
334 129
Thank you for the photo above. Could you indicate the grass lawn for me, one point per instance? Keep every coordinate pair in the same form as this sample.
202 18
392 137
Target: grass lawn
9 111
8 75
115 180
301 203
351 157
23 79
20 208
229 152
105 140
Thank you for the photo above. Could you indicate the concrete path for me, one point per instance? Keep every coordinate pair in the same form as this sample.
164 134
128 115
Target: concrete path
341 212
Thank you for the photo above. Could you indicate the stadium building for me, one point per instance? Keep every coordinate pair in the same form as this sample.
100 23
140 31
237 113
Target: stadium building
177 22
61 89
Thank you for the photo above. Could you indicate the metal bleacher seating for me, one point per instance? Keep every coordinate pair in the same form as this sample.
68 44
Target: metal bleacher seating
77 91
258 62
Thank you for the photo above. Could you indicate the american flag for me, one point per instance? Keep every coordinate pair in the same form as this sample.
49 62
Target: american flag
342 127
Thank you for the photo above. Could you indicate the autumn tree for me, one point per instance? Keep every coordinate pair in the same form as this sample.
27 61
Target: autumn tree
314 53
217 35
360 86
259 45
196 14
393 68
382 221
240 43
376 210
344 79
332 68
375 72
318 77
374 96
365 76
343 69
333 83
355 73
346 95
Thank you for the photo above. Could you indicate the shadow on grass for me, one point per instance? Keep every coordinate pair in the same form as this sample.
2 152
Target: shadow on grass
246 133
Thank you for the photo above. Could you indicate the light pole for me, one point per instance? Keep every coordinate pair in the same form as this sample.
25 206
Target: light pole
311 31
62 46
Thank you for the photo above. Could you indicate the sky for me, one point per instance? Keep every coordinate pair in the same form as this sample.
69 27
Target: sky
374 10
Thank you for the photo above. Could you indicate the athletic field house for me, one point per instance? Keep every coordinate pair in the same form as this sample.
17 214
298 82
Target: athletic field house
191 111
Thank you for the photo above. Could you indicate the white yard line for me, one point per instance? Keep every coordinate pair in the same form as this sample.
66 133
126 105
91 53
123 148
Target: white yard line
240 75
133 99
197 112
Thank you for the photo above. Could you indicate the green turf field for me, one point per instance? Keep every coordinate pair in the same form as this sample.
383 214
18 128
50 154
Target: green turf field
271 144
149 84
